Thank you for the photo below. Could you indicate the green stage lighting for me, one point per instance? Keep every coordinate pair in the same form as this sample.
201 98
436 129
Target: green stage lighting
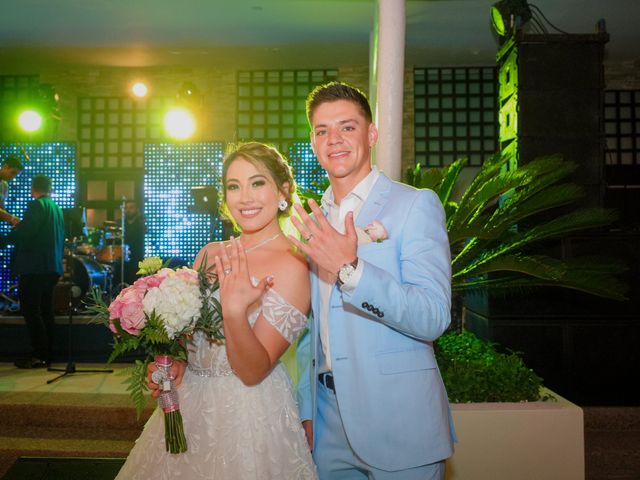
507 14
179 123
30 121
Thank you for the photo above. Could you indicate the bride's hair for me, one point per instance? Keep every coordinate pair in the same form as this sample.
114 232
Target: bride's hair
264 157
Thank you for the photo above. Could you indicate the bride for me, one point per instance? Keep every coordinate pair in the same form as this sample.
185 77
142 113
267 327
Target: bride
239 413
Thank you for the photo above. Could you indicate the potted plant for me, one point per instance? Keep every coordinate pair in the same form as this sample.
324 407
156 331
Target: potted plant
505 431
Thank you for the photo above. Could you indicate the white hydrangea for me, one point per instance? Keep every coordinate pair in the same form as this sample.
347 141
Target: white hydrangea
176 301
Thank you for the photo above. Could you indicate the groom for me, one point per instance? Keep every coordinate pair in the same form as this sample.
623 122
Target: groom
371 398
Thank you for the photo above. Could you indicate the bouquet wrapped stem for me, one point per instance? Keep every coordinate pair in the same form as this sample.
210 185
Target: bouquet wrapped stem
175 441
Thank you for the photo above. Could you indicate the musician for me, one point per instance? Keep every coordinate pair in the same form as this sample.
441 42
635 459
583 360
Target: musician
39 242
11 168
134 230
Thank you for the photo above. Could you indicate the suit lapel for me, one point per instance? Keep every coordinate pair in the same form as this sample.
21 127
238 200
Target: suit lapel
375 201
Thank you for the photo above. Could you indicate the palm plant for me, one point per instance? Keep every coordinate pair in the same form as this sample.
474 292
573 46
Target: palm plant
503 213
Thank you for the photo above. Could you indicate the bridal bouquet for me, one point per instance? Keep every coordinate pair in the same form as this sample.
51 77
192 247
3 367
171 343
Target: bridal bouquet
158 314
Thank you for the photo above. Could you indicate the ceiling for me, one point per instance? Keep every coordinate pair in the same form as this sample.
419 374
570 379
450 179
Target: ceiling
275 33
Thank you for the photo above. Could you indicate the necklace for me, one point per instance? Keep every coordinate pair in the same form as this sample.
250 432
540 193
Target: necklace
264 242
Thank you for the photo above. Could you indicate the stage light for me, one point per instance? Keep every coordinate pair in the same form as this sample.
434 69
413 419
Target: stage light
179 123
507 14
30 121
139 89
188 93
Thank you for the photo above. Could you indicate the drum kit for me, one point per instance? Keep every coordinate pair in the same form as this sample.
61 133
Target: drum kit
94 259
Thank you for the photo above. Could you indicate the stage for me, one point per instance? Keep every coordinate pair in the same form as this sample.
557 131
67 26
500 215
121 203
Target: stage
79 415
89 342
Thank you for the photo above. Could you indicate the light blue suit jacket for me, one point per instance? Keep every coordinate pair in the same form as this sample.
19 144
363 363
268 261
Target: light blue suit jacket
389 390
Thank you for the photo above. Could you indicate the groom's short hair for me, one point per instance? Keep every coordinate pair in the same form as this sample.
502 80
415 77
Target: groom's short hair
334 91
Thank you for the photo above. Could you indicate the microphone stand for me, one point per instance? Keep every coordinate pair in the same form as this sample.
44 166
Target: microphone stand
122 244
70 368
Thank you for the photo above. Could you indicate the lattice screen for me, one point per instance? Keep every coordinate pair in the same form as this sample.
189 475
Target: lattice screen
271 104
455 114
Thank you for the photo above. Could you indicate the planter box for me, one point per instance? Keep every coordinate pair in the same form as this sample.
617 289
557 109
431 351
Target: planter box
518 441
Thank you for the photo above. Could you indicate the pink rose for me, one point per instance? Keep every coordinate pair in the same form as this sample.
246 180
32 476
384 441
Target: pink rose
145 283
132 319
187 275
127 307
376 231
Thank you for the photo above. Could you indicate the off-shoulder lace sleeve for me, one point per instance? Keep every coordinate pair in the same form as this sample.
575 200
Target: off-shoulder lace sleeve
285 318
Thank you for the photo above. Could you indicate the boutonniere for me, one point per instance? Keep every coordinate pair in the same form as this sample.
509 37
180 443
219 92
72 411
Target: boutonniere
374 232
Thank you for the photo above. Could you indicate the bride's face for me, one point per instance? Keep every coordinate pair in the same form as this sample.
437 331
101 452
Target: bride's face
251 195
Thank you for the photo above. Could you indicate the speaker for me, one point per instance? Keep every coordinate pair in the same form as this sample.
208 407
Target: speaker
551 101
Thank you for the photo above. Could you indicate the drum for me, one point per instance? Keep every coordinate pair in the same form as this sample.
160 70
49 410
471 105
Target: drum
87 273
95 238
81 275
113 253
86 249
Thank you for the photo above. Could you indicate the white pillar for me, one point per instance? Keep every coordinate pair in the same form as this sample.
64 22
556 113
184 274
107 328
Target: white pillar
389 78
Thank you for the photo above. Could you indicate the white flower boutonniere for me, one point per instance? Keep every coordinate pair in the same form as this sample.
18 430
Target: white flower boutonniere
374 232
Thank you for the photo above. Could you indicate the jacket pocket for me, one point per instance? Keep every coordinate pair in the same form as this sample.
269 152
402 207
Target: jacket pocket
405 361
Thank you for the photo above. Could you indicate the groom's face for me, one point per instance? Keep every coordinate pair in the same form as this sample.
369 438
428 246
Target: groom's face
342 139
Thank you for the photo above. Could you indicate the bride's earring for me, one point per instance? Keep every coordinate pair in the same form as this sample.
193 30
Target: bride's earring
282 205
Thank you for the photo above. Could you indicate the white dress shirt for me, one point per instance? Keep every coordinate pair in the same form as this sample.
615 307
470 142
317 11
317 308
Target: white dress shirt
336 214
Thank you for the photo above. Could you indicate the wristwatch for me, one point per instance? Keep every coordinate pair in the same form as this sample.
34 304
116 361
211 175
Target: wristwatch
346 271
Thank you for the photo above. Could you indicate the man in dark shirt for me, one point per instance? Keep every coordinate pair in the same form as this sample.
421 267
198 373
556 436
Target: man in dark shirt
11 168
39 243
134 230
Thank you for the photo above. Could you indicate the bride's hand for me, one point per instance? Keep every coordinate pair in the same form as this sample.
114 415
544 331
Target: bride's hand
237 291
176 371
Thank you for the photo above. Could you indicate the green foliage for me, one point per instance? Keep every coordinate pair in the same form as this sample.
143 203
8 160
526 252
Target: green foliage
315 193
210 319
504 213
137 384
473 371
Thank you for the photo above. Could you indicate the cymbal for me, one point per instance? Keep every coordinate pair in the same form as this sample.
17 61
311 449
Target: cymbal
111 225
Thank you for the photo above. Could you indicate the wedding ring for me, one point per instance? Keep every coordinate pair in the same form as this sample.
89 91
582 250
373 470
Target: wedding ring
227 271
309 237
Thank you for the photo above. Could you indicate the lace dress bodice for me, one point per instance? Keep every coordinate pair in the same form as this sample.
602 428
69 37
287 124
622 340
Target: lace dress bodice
209 358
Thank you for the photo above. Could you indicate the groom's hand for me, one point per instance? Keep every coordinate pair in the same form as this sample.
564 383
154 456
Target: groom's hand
327 247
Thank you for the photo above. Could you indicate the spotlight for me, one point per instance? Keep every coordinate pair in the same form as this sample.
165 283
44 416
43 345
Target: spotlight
188 92
139 89
30 121
49 99
507 14
179 123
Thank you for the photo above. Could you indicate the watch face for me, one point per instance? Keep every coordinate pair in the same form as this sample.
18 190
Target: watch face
345 272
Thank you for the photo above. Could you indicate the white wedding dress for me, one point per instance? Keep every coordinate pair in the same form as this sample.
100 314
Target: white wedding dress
233 431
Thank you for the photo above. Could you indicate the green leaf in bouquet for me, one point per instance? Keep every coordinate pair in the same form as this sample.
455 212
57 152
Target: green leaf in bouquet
137 384
210 320
97 307
123 343
154 331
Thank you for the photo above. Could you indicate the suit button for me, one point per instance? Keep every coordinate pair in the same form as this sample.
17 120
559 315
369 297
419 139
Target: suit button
380 314
370 308
365 305
376 311
313 362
